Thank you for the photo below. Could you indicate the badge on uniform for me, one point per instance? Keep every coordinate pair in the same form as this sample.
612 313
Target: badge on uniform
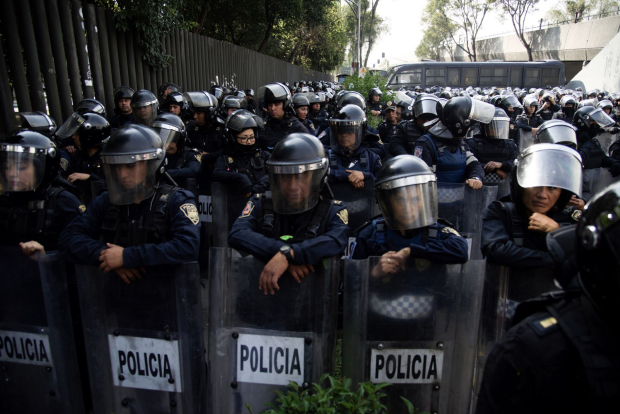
389 103
198 157
450 230
322 134
418 151
247 210
64 163
344 216
512 126
191 212
576 215
82 208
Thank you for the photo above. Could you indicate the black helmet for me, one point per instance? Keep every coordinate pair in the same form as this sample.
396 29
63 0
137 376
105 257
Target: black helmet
27 148
276 92
407 181
171 129
446 95
144 105
218 92
249 92
122 92
457 115
605 104
204 102
178 99
167 88
349 98
556 131
240 94
425 106
132 162
584 115
511 102
91 105
298 170
569 111
406 108
37 121
93 130
499 127
231 102
598 249
350 120
374 92
239 121
300 100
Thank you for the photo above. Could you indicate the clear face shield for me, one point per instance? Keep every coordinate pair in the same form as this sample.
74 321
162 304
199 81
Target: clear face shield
345 136
550 165
168 133
37 121
296 188
131 178
408 203
145 112
557 132
70 127
425 105
498 128
481 111
601 118
21 168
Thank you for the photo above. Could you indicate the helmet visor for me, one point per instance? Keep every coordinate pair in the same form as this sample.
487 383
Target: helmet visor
345 136
200 100
145 114
481 111
409 207
425 105
557 133
38 121
558 167
168 133
70 127
130 183
21 168
498 128
242 119
295 192
601 118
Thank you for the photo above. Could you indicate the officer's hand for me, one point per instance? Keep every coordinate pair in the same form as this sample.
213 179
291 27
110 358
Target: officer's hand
355 176
473 183
32 249
130 274
546 105
78 177
111 258
358 185
540 222
299 271
501 173
272 272
492 165
578 203
390 262
70 149
534 131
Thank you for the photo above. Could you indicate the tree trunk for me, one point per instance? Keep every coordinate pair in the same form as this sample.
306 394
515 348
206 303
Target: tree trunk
202 17
293 54
269 19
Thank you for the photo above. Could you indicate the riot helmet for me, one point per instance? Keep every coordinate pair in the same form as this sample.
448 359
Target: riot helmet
123 92
569 106
530 101
132 161
598 249
171 130
93 130
274 93
425 110
556 131
71 125
349 98
406 108
37 121
238 122
217 92
606 105
511 105
202 102
298 171
406 191
249 92
230 104
457 116
374 92
347 129
584 116
179 102
91 105
588 102
499 127
28 160
547 165
144 105
166 89
592 94
301 105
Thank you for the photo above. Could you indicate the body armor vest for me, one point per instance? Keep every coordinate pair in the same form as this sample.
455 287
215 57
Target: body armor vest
449 167
491 150
253 167
412 134
595 154
334 162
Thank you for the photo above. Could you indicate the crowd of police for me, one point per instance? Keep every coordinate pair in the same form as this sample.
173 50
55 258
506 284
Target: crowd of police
118 190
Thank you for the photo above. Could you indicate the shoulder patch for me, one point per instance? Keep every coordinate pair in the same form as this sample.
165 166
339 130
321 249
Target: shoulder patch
64 163
247 210
82 208
344 216
512 126
576 215
198 157
337 202
389 103
322 134
544 326
418 152
450 230
191 212
230 160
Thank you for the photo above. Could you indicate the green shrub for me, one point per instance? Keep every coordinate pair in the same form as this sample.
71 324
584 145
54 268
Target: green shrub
363 85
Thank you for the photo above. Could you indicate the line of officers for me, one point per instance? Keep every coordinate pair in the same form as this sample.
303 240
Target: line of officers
147 215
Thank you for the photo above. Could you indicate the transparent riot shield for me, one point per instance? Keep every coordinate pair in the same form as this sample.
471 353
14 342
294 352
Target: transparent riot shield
526 139
416 329
40 371
606 139
144 340
361 204
258 343
463 207
228 205
504 289
595 180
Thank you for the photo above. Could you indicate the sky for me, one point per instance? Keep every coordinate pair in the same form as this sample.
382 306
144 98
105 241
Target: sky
406 31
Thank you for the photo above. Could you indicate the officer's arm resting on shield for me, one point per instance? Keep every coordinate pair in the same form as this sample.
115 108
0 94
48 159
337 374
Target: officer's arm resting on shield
190 168
221 174
449 247
473 169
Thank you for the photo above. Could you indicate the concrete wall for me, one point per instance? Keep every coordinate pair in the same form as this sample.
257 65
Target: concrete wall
603 72
569 42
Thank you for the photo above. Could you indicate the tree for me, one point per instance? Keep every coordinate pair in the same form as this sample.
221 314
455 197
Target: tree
372 26
569 10
518 10
437 36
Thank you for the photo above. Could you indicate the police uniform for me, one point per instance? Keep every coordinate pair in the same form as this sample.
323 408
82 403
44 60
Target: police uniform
276 129
183 165
437 242
310 126
504 151
87 164
118 119
162 229
247 173
377 106
547 113
317 118
362 160
526 123
313 235
206 138
593 155
614 150
451 160
385 131
403 139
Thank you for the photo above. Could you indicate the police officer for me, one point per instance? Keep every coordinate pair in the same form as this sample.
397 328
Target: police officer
406 191
249 96
175 103
242 163
418 115
443 149
349 159
589 121
165 89
513 108
542 184
122 107
302 106
204 132
385 128
549 107
140 221
530 120
35 203
374 102
145 106
182 162
279 122
557 131
562 353
569 105
316 114
67 130
493 148
295 225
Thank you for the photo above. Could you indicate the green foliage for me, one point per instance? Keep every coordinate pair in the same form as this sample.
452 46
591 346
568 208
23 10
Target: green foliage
363 85
572 10
437 35
372 25
337 397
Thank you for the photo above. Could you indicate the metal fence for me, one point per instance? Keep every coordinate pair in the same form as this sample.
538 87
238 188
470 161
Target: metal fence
58 52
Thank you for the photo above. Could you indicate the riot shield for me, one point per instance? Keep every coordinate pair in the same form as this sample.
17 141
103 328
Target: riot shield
40 371
606 139
504 289
416 329
595 180
258 343
463 207
361 204
526 139
228 205
144 340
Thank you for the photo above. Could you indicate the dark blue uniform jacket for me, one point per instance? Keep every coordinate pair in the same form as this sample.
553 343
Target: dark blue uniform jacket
339 174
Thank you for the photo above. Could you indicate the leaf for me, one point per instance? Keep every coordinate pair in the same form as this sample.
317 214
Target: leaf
409 405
